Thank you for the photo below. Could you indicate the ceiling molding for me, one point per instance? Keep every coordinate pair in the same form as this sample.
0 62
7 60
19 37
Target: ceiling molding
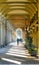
18 2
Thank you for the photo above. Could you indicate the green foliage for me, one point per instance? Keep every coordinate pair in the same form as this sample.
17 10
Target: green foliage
33 51
31 48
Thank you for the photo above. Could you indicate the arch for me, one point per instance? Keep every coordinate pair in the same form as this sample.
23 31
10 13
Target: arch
19 33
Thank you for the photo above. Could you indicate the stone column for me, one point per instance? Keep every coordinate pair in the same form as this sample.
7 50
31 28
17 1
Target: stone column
5 32
0 33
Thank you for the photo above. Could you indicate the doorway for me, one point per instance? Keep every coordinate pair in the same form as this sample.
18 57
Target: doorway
19 35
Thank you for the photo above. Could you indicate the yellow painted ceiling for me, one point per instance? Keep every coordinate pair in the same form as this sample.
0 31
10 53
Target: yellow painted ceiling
11 8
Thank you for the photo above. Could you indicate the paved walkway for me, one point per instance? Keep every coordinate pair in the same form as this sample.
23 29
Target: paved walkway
17 55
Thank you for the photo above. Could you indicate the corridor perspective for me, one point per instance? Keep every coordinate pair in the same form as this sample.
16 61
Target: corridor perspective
19 32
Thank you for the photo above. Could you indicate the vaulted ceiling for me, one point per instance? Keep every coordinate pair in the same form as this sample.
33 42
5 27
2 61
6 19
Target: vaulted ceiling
18 10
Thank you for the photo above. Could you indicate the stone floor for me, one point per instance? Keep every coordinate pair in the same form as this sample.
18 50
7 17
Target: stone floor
13 54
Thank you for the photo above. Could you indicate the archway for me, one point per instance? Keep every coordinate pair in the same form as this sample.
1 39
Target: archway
19 35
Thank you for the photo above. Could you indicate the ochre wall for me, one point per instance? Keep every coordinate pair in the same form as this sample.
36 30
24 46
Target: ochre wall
34 36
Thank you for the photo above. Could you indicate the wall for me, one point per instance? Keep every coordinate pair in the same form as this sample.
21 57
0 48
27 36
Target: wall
34 36
6 34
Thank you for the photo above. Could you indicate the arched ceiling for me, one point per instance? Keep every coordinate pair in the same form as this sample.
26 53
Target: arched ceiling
11 8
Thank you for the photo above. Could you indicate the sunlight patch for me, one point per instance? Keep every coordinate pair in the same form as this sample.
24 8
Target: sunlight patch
12 61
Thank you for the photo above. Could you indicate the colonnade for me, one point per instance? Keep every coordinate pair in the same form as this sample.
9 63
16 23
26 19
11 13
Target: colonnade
6 31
